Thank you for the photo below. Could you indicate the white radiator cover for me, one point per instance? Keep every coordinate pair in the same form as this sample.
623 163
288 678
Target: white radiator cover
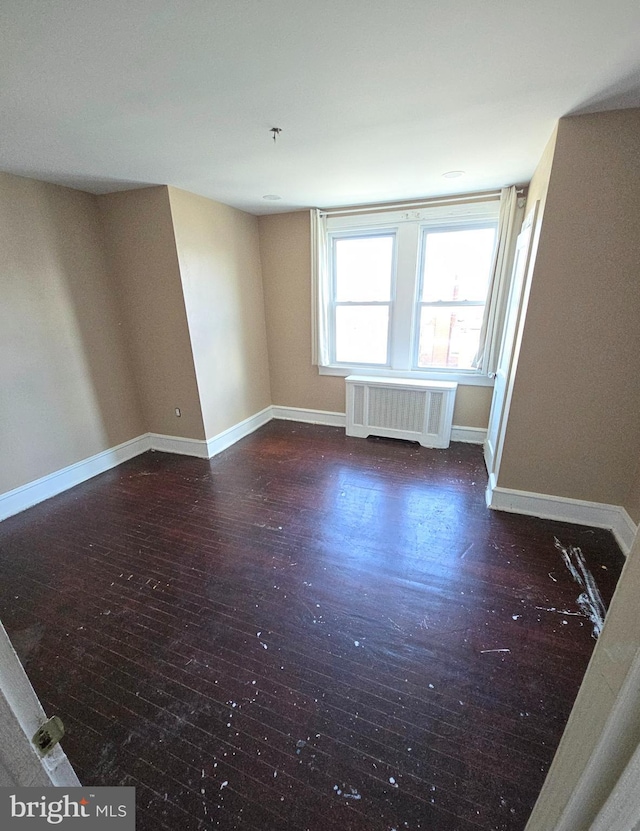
399 408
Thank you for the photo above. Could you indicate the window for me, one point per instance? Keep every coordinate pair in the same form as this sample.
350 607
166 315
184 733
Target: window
454 282
406 292
362 289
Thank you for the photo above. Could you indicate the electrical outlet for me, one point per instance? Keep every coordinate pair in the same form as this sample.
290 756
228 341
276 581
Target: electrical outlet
178 413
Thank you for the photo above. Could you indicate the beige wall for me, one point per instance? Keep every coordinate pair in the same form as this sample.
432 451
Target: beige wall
572 427
95 343
473 405
285 249
146 275
539 185
219 258
573 424
66 388
632 500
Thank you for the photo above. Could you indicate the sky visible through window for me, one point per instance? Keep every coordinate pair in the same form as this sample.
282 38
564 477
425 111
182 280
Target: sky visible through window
456 264
364 267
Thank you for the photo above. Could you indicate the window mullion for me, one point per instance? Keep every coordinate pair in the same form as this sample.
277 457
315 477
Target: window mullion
402 317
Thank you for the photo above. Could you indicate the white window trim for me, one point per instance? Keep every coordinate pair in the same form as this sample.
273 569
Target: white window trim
470 377
424 229
353 224
391 231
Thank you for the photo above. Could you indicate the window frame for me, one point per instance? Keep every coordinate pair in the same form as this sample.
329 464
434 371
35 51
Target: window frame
334 303
405 225
425 230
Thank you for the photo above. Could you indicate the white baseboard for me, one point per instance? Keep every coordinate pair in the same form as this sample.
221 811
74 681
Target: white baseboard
468 435
206 448
578 511
595 514
233 434
625 531
19 499
309 416
180 445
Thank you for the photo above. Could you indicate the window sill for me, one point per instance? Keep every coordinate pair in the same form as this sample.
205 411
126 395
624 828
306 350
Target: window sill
469 378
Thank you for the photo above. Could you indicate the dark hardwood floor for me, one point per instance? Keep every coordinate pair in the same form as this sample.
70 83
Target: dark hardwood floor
306 632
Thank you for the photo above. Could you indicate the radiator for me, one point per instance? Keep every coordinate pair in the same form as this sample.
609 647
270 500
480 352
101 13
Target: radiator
399 408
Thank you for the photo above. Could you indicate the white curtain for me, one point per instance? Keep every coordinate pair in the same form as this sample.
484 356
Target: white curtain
509 224
319 290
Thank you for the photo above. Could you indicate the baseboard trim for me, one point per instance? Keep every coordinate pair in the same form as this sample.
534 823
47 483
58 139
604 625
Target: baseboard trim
468 435
179 445
233 434
19 499
612 517
309 416
578 511
206 448
625 531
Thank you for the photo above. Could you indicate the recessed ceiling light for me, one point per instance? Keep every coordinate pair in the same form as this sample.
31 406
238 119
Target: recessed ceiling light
272 197
453 174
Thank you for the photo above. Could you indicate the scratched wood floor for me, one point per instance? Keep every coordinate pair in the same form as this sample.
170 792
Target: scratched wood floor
306 632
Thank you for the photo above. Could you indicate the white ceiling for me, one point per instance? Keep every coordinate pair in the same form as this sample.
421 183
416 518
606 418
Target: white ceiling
376 100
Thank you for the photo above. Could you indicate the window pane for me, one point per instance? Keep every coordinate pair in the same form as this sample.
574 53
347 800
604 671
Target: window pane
449 336
361 334
363 268
456 264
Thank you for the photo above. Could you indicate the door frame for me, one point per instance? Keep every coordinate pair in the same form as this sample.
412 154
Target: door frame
493 456
21 714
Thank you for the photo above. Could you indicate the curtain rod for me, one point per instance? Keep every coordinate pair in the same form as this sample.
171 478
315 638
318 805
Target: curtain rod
441 200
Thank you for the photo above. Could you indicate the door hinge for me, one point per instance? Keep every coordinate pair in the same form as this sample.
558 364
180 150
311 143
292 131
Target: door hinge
48 735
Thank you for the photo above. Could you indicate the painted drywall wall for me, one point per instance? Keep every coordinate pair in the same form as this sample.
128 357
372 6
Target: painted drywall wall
219 260
146 280
285 250
609 665
572 427
473 405
67 388
632 500
539 185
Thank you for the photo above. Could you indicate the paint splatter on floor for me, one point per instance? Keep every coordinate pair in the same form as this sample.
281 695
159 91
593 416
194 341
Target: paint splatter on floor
590 600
